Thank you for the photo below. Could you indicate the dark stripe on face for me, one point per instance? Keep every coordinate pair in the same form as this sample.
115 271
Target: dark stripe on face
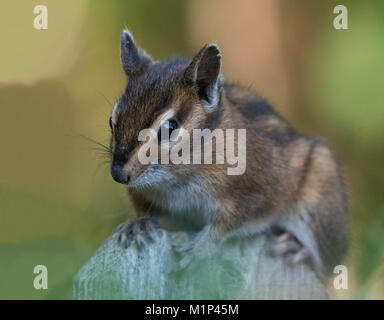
146 97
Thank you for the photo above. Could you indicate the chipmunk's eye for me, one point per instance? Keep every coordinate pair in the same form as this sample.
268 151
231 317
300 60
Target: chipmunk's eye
166 130
110 122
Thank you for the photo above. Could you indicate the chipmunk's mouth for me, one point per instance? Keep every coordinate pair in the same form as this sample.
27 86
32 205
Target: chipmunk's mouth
152 177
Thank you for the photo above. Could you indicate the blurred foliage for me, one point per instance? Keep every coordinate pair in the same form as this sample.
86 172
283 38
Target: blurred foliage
57 201
346 86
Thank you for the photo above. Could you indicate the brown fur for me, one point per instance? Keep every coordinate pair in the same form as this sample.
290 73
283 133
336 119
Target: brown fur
288 177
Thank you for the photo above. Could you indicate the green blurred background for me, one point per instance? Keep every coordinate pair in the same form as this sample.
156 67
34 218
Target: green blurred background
57 200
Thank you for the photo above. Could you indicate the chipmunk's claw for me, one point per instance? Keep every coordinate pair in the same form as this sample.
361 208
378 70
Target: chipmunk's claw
137 232
193 251
287 245
186 254
186 262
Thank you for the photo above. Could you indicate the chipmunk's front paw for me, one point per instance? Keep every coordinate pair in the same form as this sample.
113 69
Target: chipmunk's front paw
137 232
283 243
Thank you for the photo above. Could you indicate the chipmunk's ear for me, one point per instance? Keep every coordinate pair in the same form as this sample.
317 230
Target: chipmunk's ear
204 74
133 61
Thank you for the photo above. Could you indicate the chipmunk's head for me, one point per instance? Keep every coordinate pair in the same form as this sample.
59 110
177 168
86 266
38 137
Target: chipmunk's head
161 96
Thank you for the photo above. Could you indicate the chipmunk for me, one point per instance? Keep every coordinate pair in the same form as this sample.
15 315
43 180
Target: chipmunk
290 190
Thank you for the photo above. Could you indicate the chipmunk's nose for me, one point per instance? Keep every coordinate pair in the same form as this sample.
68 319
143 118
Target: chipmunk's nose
119 174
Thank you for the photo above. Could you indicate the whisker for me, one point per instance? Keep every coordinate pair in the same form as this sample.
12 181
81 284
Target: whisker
103 146
105 98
